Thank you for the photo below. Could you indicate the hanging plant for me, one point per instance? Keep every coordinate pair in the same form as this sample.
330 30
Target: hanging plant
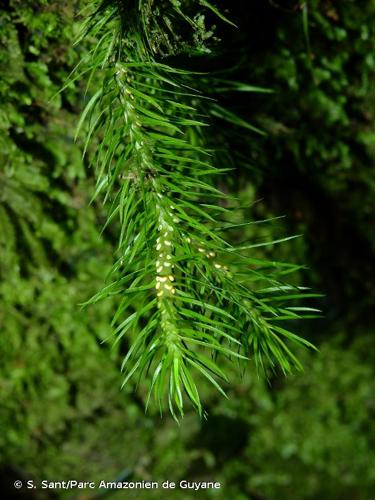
189 296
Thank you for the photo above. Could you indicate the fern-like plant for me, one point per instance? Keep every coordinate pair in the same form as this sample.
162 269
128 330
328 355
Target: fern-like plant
188 295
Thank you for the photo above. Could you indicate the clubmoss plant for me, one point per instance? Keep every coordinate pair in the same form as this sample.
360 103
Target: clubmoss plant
188 296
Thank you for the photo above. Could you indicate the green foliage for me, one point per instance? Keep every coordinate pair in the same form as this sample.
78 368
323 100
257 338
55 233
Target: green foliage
319 119
187 294
51 249
63 414
34 198
312 433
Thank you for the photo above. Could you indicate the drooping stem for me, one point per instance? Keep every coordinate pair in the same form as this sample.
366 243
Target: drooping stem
164 246
192 290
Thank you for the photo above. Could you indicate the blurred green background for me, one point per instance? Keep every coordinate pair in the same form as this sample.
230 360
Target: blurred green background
62 415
